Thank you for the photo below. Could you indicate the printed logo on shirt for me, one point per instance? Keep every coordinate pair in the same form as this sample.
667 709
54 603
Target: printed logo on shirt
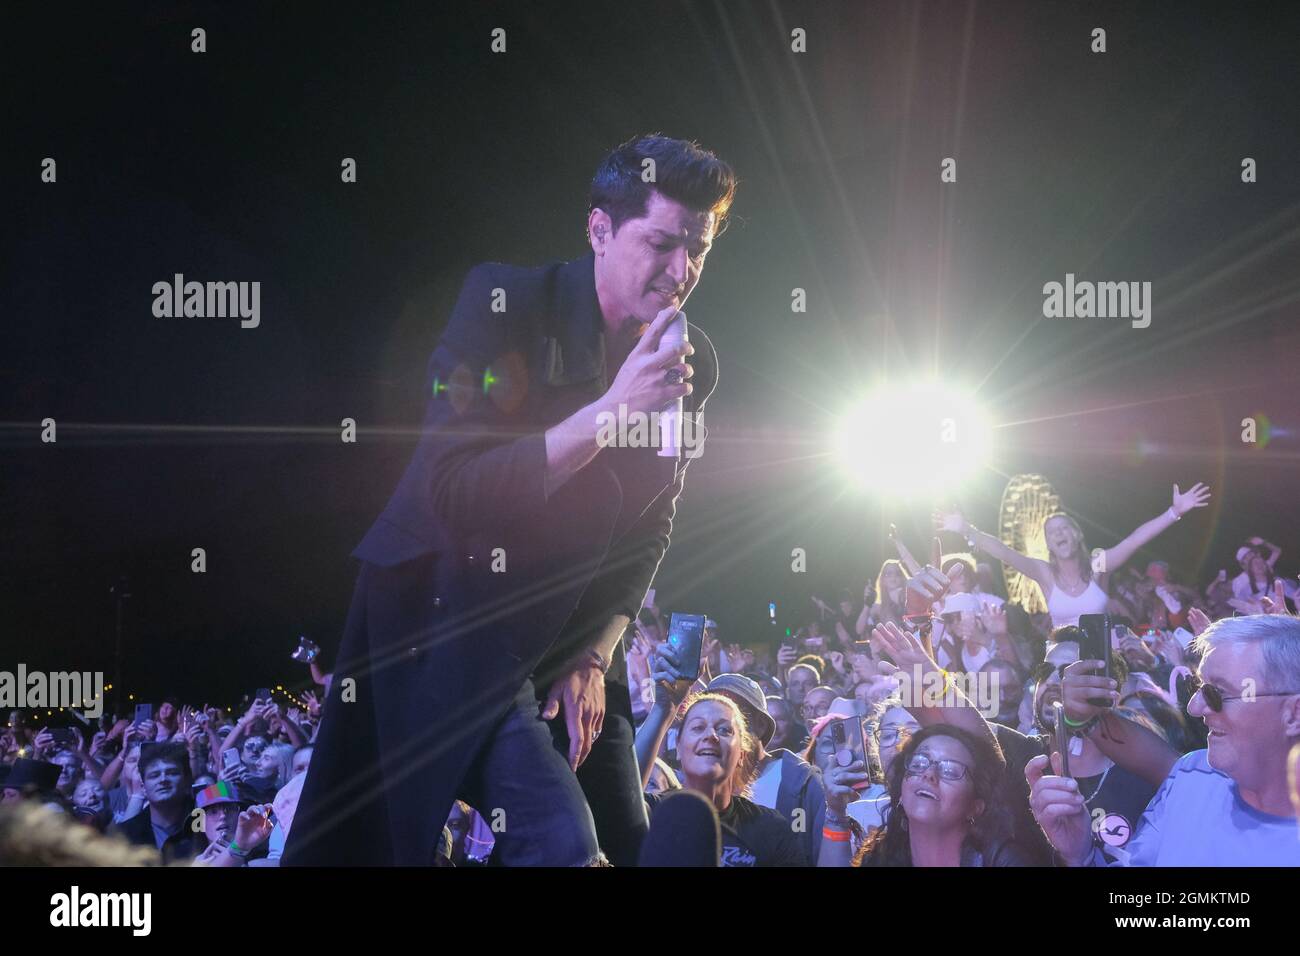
738 856
1113 828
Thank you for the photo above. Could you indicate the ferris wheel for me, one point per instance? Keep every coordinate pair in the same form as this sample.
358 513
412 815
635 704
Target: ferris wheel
1026 504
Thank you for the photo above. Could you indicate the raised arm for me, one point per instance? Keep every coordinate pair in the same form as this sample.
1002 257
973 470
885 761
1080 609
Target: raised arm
1198 496
925 702
1034 568
1130 745
904 554
670 691
1274 552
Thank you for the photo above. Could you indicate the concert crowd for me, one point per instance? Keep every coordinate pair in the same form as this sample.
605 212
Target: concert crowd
979 733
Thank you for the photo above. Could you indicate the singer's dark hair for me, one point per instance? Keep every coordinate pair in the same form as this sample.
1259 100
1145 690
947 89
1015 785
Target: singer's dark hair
684 172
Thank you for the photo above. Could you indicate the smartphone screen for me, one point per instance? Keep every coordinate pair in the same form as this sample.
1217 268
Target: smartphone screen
850 745
1062 733
230 758
143 712
1095 646
686 635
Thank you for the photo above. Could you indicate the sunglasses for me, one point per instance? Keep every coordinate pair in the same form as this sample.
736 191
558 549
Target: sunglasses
951 770
1044 671
1215 699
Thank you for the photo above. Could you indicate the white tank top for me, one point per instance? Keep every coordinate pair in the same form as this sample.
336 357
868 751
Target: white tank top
1066 609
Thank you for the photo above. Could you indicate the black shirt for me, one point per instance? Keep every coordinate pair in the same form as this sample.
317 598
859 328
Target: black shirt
1115 808
1116 801
753 835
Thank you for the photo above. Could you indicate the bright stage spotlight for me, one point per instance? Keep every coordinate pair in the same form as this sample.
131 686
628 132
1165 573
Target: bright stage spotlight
923 441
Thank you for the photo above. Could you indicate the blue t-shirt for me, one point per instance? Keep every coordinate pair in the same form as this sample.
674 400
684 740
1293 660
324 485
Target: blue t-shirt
1197 818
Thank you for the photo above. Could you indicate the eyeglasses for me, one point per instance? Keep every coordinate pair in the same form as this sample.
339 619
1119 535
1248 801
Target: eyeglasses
951 770
1214 698
893 735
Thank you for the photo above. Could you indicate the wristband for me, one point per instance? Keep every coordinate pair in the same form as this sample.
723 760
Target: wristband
1074 723
1174 514
233 849
1084 729
595 659
836 836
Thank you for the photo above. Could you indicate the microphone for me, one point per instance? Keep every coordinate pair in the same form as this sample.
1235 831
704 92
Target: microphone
683 832
670 419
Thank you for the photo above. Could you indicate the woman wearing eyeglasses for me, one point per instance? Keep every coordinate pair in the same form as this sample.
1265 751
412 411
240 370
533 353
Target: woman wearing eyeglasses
946 806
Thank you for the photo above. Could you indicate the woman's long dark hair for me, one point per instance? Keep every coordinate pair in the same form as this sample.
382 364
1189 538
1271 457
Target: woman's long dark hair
1267 586
890 845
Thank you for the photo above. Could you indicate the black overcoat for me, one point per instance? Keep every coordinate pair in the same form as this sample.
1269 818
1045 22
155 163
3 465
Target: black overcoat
472 578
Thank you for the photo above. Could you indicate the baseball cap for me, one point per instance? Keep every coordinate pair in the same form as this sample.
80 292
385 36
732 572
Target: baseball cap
749 697
223 791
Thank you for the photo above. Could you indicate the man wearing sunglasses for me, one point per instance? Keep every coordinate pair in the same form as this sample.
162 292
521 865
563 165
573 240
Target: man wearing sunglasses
1226 805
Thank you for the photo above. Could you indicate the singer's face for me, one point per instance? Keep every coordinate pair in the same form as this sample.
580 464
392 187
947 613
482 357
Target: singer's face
653 263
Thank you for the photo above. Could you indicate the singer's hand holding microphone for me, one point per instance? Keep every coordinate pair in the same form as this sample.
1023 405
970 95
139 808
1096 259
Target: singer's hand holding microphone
644 384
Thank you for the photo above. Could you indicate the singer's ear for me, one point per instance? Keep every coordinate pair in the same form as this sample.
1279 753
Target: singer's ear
599 230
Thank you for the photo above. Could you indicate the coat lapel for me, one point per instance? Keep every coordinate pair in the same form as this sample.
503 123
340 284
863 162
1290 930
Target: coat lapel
574 354
575 330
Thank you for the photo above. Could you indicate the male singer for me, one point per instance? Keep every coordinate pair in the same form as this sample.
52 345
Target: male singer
483 645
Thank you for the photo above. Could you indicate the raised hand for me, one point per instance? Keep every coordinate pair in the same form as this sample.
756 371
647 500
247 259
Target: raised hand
1059 809
1080 685
1197 496
906 649
995 620
1277 603
1167 646
236 772
313 704
1135 651
953 521
641 384
838 785
671 687
254 827
1250 605
43 743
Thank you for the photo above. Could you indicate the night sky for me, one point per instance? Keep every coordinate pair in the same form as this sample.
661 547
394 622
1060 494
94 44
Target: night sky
1123 166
